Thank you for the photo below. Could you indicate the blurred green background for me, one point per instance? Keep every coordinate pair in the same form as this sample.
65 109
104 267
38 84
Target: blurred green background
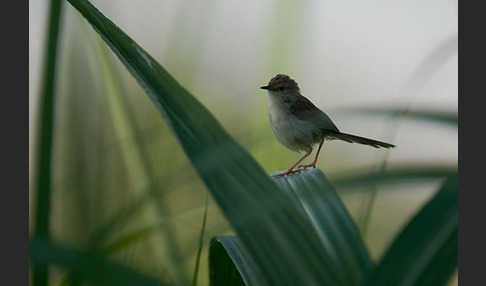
343 54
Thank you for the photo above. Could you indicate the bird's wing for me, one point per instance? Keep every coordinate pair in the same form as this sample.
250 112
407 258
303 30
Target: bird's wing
305 110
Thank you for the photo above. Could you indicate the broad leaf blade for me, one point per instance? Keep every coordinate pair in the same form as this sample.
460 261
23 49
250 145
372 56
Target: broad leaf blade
425 252
260 212
319 202
334 224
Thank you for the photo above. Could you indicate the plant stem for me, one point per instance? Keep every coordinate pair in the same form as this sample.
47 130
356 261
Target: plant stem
365 218
201 241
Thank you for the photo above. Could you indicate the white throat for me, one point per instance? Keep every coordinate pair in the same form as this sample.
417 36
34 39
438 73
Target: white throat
281 99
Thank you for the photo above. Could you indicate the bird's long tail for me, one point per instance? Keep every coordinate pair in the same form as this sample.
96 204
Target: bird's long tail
361 140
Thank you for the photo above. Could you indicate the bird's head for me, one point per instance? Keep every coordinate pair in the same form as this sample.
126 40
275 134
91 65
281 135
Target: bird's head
282 83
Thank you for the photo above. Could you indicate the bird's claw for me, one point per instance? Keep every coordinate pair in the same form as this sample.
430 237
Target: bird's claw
288 172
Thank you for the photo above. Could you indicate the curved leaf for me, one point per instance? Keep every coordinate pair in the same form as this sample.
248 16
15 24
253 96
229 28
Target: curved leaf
425 252
335 226
229 264
319 202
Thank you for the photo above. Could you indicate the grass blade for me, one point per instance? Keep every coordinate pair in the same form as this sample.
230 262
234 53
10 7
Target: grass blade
425 252
449 118
259 211
364 177
129 239
87 266
44 146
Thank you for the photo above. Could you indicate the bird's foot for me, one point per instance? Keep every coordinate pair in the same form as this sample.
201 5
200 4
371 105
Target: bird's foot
288 172
307 166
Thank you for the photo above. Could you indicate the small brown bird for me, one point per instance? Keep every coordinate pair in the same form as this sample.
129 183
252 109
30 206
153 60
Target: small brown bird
298 124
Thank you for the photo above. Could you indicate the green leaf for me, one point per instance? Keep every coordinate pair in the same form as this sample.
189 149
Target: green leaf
317 199
425 251
444 117
88 267
364 177
279 237
45 143
119 244
229 264
335 226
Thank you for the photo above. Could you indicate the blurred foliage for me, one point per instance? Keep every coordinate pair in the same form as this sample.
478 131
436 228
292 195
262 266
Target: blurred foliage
43 180
127 206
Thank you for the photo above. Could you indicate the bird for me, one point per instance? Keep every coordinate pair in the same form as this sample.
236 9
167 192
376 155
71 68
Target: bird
299 125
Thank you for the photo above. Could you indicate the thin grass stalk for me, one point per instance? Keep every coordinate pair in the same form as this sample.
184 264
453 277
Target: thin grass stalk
45 135
201 241
392 129
365 216
392 134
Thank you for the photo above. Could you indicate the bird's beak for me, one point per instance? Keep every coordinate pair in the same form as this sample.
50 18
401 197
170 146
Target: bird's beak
264 87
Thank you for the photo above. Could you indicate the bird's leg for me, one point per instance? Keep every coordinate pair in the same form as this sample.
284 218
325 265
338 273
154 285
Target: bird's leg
313 165
291 169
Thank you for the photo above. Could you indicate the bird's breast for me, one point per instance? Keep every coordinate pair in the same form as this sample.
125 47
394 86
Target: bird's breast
286 129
